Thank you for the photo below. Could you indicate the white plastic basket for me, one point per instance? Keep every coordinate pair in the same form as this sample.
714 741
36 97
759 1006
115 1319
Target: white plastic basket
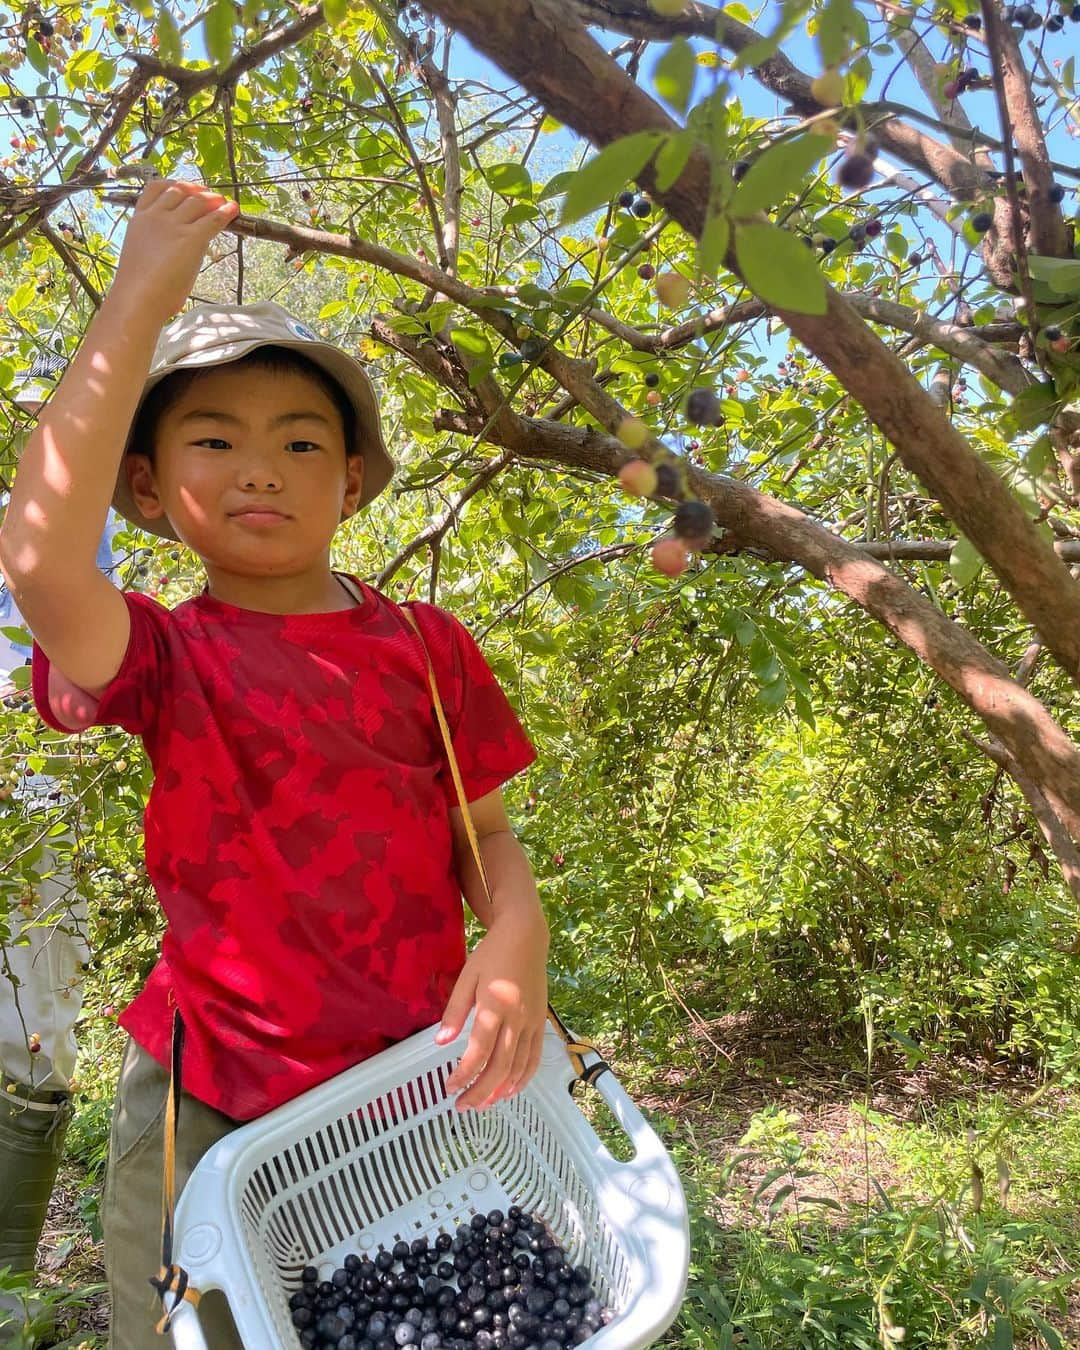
379 1154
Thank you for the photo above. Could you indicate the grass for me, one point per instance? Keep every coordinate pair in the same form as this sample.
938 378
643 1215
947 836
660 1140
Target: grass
928 1207
829 1207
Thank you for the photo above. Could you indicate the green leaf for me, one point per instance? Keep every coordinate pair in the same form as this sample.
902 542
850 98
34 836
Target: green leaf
336 11
778 172
212 152
964 563
772 695
763 661
1062 275
912 1049
510 179
713 245
105 73
36 56
80 66
672 158
778 268
805 710
673 74
556 185
471 342
1031 408
1040 457
362 84
170 43
1003 1333
22 297
745 629
833 24
606 173
218 31
520 212
52 118
331 308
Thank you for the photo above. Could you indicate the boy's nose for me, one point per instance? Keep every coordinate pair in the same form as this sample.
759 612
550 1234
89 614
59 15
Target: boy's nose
260 474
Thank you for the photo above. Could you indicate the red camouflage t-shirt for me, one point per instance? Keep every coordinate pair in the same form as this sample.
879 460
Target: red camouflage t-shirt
298 830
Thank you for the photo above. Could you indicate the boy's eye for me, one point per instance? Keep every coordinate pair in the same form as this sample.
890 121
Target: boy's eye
306 445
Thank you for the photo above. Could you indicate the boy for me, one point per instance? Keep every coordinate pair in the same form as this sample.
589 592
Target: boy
301 833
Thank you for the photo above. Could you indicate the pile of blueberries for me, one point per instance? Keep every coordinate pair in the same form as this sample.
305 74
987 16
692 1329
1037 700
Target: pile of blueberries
502 1282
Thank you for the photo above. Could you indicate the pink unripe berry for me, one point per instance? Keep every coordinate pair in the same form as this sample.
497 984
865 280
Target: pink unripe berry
670 556
638 477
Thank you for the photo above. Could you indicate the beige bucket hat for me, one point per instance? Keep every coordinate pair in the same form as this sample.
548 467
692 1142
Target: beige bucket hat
211 335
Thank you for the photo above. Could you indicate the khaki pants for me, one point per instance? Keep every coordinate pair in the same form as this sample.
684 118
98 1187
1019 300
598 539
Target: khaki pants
131 1209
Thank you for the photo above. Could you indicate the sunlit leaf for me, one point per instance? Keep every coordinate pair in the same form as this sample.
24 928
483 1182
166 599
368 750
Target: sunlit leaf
778 268
674 74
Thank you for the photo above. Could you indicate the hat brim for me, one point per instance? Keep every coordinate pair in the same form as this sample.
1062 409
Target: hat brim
378 466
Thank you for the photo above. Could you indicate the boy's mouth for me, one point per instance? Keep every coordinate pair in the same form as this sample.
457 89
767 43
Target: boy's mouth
258 515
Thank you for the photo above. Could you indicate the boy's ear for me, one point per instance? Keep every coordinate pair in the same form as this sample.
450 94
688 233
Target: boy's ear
354 485
140 474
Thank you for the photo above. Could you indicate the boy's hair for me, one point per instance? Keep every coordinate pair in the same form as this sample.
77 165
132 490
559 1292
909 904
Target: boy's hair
277 360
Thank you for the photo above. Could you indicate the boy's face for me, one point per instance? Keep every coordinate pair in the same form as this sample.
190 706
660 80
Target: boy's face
252 489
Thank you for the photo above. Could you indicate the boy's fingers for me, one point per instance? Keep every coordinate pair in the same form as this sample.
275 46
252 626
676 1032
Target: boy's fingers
517 1078
493 1076
457 1007
477 1052
198 206
156 188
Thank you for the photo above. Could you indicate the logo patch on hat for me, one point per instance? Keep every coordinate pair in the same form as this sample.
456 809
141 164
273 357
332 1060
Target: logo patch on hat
301 330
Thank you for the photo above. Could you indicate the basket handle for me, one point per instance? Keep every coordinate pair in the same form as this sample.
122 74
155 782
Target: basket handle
576 1048
187 1332
651 1163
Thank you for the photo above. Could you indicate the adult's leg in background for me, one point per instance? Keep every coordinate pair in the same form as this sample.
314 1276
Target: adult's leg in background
41 965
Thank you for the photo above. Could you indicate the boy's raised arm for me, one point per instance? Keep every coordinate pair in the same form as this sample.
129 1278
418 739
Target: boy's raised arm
61 494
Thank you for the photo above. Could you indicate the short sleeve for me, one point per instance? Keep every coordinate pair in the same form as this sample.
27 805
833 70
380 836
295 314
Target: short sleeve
489 741
133 698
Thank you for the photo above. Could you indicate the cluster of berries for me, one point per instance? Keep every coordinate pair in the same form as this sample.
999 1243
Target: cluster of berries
1024 16
639 206
514 1290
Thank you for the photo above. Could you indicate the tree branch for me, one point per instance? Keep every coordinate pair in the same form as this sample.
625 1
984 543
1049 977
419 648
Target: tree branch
1020 721
1021 123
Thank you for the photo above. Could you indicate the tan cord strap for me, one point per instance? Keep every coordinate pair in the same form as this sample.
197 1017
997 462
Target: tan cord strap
171 1278
575 1046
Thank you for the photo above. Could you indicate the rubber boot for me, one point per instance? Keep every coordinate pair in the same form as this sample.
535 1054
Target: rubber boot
33 1125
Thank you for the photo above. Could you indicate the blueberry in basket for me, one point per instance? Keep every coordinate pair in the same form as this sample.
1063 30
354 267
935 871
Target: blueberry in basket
500 1282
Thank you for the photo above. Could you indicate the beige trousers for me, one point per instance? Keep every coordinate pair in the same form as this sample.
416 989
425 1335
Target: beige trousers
131 1208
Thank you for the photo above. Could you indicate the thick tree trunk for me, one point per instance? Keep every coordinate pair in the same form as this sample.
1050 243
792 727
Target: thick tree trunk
578 83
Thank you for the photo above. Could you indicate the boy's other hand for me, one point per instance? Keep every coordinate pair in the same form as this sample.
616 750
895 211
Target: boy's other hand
167 238
506 978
